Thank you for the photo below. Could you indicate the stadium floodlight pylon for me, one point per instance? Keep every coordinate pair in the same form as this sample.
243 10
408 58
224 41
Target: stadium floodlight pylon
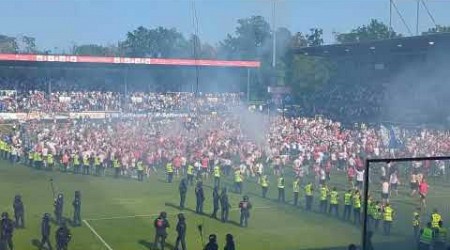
366 183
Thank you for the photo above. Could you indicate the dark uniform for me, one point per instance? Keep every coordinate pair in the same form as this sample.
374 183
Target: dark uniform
225 205
77 209
59 203
6 234
216 200
229 244
161 224
181 230
245 207
182 188
63 237
19 212
200 197
45 231
212 244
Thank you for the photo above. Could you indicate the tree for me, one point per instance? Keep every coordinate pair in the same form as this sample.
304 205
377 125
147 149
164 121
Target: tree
375 30
314 38
158 42
437 29
308 74
91 50
250 41
8 44
299 40
30 44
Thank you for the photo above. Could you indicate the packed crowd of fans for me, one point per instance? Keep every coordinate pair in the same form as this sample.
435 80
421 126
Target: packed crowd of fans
39 101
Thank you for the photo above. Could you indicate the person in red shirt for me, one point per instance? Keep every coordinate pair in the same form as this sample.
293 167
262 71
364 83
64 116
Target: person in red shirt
423 191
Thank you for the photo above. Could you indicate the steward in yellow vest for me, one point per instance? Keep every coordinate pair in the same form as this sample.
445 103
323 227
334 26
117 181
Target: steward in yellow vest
334 202
427 236
190 174
435 218
169 171
356 207
416 223
238 181
309 196
323 198
388 217
296 190
216 176
140 170
348 204
264 185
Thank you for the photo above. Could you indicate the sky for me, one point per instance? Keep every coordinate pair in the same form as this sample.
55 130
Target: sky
59 24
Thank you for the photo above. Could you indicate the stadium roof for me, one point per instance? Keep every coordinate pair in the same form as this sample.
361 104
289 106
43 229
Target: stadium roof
415 44
74 59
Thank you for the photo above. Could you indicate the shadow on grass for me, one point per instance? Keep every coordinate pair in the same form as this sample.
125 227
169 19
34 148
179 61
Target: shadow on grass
151 245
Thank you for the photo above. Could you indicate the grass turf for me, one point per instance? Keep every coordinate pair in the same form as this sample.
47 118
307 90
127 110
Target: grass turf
121 211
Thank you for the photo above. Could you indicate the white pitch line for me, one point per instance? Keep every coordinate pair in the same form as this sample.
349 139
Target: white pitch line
150 215
98 236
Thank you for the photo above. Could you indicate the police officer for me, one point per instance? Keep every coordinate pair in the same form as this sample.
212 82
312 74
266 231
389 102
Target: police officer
182 188
200 197
63 237
169 171
19 211
245 207
216 200
296 190
190 174
388 217
323 198
77 209
264 186
281 189
161 224
334 202
45 231
225 205
6 234
427 236
181 230
59 203
309 196
212 244
229 242
238 181
216 176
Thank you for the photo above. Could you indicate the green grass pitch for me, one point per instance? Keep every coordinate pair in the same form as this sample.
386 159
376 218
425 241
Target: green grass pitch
119 213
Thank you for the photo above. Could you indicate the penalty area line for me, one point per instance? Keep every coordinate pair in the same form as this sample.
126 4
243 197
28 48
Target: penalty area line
98 236
151 215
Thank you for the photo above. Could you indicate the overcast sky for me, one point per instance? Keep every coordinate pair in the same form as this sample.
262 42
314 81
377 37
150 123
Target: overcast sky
62 23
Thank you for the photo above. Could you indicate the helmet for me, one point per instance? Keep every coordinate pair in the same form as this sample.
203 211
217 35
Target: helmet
245 198
77 193
46 216
212 238
17 197
5 215
181 216
163 214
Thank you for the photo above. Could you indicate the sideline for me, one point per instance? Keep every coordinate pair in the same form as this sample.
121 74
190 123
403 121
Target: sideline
98 236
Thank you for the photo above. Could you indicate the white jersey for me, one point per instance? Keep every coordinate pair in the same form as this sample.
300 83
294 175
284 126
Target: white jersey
385 187
360 175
